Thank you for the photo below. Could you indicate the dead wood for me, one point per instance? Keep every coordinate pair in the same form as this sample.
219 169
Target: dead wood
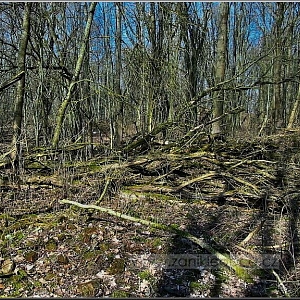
239 271
11 81
240 172
143 142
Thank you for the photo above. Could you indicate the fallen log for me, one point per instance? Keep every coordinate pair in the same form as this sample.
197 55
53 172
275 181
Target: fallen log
239 271
146 139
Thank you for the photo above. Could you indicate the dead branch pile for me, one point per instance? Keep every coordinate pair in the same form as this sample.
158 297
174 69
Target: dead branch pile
244 173
259 173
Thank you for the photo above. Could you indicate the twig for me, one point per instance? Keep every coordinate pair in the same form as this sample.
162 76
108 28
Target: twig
104 191
164 175
12 81
280 282
200 178
252 233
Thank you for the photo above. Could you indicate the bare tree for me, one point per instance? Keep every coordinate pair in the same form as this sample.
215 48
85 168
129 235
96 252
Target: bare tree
119 122
193 34
148 63
20 93
220 67
277 112
65 103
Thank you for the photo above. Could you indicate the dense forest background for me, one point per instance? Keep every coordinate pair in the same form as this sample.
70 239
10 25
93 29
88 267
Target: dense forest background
73 72
130 129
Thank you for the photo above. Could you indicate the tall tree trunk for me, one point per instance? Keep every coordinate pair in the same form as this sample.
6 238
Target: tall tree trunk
278 101
294 110
193 34
66 102
220 67
119 122
89 100
18 110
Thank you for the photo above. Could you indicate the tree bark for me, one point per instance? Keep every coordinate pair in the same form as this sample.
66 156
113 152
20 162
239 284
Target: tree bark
119 122
218 104
294 110
66 102
277 96
20 93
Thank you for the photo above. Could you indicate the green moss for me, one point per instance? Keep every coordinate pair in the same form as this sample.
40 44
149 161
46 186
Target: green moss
34 165
15 294
50 276
242 274
19 235
104 247
117 266
30 217
75 208
18 282
120 294
197 286
174 226
110 256
30 243
133 213
12 238
94 168
37 284
22 273
220 275
7 218
88 289
244 262
90 255
77 183
51 245
77 249
145 275
259 272
156 242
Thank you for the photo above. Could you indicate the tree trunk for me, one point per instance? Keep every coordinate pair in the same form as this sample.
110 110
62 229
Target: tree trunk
278 101
220 67
65 103
18 110
119 122
294 110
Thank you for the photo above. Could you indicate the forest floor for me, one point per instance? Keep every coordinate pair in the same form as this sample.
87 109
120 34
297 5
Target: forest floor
239 197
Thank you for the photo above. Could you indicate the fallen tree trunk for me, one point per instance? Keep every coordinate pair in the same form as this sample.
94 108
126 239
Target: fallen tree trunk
239 271
144 141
